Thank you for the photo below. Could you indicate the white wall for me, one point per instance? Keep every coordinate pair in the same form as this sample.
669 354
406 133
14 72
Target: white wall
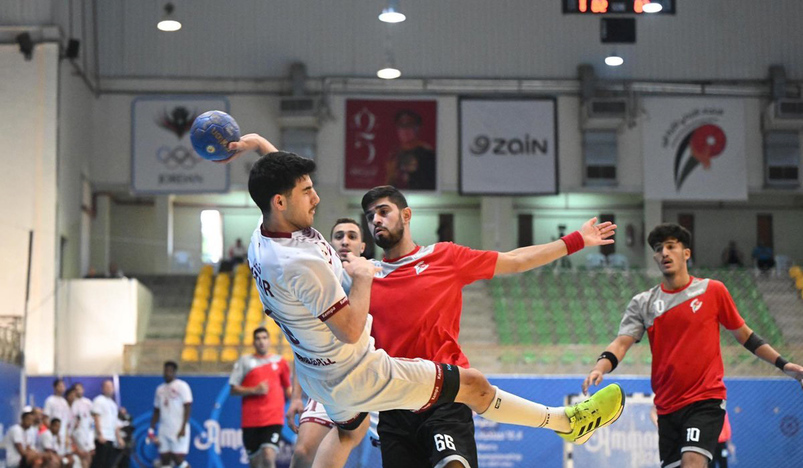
28 92
74 154
97 318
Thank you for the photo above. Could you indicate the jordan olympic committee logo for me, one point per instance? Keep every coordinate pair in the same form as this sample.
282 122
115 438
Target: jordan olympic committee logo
698 148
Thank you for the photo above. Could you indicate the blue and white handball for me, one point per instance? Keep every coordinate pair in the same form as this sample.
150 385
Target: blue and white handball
211 134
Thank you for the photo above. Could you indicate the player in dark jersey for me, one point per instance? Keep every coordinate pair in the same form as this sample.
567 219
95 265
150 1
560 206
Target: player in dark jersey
416 302
681 317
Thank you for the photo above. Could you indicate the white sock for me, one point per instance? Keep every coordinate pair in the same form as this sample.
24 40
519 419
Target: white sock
511 409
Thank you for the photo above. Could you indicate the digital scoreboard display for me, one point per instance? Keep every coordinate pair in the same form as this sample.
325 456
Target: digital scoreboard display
601 7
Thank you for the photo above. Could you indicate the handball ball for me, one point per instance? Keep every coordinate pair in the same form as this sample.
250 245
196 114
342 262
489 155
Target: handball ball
211 134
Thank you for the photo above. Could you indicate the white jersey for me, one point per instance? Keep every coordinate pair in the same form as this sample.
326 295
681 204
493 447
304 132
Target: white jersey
106 409
301 285
49 441
57 407
83 423
15 435
170 399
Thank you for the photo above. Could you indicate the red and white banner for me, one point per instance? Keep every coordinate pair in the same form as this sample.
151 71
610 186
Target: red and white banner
694 149
391 142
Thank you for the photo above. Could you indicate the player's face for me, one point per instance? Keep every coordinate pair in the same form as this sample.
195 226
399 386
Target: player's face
671 256
386 223
107 389
27 421
79 390
169 374
261 343
70 397
55 426
346 237
301 204
59 388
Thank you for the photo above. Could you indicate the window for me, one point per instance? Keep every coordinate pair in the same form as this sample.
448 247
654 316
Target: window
300 141
600 150
782 157
211 236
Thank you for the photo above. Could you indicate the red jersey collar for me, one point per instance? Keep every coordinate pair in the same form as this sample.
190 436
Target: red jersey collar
675 291
267 233
393 260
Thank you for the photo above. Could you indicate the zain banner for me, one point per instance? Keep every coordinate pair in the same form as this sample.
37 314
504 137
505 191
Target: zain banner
508 147
162 158
391 142
694 149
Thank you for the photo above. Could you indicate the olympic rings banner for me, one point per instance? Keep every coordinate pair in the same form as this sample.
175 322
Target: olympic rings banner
508 147
162 158
694 149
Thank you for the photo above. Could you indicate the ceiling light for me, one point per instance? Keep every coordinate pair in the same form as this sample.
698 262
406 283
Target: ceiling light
391 14
614 60
168 23
652 7
389 73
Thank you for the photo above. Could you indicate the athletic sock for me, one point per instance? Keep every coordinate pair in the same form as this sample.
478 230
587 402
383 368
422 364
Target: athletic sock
511 409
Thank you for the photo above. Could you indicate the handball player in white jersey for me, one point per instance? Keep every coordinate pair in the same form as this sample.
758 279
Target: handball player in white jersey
299 279
346 237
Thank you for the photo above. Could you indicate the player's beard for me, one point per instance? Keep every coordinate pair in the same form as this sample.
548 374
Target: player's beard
391 238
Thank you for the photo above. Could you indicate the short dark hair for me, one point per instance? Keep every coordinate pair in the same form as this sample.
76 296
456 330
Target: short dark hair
72 389
261 330
57 381
346 221
55 420
274 174
171 364
384 191
664 231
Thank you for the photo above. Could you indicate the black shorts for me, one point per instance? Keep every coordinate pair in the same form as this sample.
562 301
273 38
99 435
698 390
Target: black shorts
422 440
255 437
694 428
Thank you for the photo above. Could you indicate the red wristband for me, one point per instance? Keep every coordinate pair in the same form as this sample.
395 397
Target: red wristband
574 242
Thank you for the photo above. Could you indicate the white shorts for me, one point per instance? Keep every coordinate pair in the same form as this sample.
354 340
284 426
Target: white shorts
84 441
170 444
314 412
377 383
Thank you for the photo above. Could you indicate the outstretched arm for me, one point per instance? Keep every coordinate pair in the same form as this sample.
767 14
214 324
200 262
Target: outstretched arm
755 344
248 143
618 348
527 258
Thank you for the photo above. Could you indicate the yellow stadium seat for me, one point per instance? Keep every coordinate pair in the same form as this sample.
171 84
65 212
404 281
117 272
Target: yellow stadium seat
196 316
229 355
248 338
237 303
192 339
214 328
189 354
216 316
209 355
236 315
275 335
254 314
212 340
194 328
795 272
198 303
233 328
231 339
207 270
218 303
799 283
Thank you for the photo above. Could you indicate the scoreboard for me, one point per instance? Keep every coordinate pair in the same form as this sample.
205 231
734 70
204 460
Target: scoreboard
600 7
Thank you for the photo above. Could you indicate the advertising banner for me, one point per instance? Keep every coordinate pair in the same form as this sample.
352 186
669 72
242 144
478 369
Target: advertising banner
162 158
694 149
508 147
391 143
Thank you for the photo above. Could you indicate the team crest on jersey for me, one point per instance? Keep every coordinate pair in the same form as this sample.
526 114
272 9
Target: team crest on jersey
420 267
695 305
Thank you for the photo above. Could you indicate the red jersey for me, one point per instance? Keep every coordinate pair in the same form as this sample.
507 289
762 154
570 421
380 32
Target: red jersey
683 327
267 409
416 301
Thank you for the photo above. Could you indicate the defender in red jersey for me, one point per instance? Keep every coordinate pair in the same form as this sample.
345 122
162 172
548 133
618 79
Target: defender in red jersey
416 302
263 380
681 317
